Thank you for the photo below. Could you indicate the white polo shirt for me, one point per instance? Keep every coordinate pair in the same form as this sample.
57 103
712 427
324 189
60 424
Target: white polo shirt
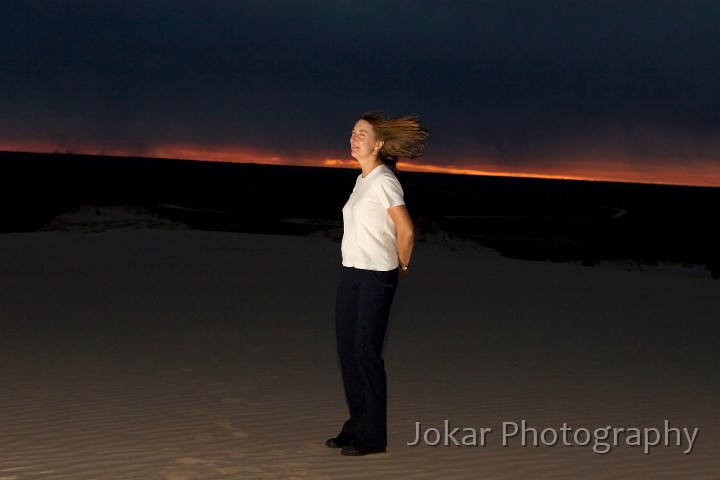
369 239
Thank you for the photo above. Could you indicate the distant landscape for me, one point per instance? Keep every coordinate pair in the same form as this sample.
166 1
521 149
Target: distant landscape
537 219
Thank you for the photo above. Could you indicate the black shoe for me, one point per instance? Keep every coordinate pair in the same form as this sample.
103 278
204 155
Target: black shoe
341 441
361 451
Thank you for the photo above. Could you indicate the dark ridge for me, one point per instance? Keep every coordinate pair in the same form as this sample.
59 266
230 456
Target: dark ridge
537 219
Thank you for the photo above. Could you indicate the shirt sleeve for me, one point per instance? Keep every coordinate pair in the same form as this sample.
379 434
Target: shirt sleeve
389 192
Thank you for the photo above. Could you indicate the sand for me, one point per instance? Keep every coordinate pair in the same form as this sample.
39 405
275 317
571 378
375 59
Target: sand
185 354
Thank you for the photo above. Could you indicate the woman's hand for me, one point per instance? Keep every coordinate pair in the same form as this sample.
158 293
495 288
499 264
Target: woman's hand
405 235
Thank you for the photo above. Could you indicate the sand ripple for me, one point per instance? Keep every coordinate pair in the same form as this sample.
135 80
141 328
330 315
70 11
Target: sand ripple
201 356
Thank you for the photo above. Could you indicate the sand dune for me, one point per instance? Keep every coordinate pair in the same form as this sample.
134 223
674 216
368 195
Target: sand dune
184 354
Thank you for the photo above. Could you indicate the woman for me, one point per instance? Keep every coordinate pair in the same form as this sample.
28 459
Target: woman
376 248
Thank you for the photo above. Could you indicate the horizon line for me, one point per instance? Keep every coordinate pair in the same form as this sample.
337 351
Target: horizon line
351 164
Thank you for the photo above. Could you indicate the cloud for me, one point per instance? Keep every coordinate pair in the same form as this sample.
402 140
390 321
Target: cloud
507 81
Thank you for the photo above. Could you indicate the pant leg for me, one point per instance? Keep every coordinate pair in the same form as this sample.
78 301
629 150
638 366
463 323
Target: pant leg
362 312
346 316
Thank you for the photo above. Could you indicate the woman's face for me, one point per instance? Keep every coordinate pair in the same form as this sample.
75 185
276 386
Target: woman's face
363 143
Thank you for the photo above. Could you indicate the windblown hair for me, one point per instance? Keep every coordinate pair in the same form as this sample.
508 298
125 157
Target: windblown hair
402 137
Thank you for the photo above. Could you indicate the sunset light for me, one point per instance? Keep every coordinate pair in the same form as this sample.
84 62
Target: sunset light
591 169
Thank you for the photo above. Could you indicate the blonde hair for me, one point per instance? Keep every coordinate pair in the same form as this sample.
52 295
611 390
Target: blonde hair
401 137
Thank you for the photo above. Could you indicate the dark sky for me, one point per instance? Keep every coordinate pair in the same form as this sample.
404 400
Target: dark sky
558 87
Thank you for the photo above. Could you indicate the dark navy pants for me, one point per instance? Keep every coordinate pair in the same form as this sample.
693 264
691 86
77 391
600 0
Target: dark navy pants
362 309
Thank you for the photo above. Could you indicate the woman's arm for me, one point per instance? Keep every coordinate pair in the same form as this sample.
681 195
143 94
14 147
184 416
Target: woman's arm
405 233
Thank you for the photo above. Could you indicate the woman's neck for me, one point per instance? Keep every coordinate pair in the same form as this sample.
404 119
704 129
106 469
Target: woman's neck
369 165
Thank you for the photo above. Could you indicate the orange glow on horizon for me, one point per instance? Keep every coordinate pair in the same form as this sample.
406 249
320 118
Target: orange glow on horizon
702 175
590 169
